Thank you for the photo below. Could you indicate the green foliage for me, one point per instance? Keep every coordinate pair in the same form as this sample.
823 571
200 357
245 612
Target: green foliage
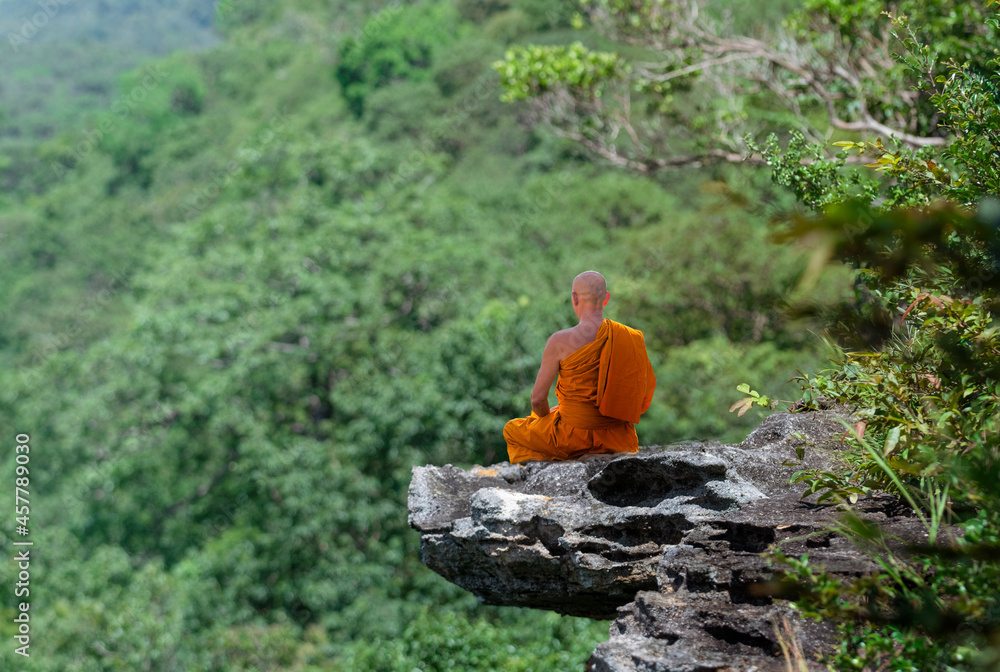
527 72
951 31
816 181
233 14
694 388
901 590
927 400
746 403
448 641
688 89
548 15
941 35
65 70
969 99
635 17
962 100
917 226
696 285
478 11
235 320
397 43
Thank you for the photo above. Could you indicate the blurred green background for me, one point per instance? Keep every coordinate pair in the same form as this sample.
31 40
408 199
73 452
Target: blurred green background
261 258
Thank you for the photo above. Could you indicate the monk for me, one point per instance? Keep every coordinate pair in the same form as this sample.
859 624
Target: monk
605 383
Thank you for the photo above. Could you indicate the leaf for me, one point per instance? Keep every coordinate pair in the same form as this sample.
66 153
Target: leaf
743 387
891 440
744 404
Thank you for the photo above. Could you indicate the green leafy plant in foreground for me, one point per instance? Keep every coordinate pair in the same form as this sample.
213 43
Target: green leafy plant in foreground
747 402
924 387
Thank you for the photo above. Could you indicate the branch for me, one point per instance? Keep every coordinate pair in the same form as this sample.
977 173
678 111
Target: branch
703 65
647 166
683 30
870 124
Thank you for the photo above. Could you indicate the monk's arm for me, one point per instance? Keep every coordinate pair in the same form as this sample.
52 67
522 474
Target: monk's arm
547 373
650 387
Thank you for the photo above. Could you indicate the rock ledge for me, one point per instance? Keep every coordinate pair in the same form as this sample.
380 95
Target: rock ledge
667 541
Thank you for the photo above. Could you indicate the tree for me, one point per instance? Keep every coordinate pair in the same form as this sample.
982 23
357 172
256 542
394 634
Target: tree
685 88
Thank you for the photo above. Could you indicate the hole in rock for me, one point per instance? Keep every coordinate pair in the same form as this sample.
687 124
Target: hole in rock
548 534
749 593
741 642
656 529
745 537
646 483
666 637
821 541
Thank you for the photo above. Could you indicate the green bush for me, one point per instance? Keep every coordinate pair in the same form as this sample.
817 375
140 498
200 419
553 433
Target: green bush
927 400
397 43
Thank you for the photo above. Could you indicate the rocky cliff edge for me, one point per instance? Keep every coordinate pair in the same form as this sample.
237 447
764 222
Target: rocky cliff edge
668 542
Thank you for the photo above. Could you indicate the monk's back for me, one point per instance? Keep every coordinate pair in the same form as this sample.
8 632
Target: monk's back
578 375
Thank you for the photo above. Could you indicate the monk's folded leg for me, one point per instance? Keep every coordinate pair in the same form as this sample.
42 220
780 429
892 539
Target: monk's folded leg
547 438
524 442
616 440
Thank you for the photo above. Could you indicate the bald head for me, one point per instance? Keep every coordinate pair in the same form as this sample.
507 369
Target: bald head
591 288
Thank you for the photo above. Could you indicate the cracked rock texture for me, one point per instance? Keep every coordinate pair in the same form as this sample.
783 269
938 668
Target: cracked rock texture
666 541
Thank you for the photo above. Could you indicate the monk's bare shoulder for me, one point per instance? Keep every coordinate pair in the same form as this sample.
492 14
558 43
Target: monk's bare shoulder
567 341
559 338
560 344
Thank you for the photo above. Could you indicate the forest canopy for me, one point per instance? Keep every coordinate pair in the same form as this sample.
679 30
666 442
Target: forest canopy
252 286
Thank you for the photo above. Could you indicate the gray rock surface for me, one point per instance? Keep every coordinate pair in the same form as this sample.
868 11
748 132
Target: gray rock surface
667 541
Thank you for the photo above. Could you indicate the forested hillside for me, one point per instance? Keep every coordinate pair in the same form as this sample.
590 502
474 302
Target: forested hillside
61 62
275 273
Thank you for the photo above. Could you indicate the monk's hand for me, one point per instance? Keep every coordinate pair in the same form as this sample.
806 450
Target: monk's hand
540 410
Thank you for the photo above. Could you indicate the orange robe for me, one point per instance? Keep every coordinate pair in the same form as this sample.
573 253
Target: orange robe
602 389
